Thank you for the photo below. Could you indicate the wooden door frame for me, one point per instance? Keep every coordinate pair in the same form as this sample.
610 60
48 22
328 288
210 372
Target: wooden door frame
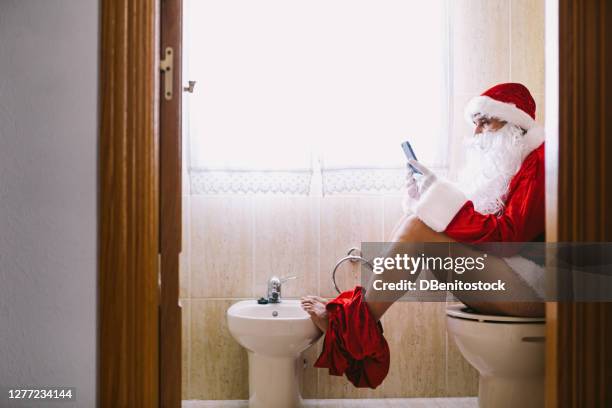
579 334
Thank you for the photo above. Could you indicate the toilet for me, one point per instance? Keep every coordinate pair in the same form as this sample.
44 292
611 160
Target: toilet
508 353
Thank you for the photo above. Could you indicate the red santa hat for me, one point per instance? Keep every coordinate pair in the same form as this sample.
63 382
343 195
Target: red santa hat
510 102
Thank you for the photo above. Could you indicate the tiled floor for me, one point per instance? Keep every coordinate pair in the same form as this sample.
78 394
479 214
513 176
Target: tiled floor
354 403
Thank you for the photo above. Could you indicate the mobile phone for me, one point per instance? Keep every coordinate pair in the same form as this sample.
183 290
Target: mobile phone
410 155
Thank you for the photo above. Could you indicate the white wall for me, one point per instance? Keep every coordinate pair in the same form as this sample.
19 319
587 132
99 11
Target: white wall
48 189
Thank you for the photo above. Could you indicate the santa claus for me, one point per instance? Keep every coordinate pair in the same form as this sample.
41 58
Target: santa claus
500 193
499 197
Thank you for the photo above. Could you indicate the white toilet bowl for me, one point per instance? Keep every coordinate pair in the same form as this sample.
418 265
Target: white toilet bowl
508 352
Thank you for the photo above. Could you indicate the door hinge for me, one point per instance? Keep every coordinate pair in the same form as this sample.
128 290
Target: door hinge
166 66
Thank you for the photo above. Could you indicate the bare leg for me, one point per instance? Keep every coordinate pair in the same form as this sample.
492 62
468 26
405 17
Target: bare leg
409 229
412 230
315 305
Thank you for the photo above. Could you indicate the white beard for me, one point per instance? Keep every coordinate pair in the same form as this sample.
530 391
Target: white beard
493 158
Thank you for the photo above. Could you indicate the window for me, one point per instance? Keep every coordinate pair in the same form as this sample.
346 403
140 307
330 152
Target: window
290 92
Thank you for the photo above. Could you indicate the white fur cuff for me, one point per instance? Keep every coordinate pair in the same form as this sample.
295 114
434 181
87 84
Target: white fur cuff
439 205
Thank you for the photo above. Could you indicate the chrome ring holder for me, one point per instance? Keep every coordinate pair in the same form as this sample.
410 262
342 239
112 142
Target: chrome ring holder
353 255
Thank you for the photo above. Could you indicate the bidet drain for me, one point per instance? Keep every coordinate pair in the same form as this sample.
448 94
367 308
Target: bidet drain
274 313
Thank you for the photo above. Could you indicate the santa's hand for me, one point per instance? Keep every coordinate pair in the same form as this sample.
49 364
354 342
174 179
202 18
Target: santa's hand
426 180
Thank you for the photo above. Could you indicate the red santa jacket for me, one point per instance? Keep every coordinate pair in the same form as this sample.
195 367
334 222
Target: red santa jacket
445 208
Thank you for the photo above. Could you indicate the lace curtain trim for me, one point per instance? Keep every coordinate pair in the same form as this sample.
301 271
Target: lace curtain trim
243 182
333 181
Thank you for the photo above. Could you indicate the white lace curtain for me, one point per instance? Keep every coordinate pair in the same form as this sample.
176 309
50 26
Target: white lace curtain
290 91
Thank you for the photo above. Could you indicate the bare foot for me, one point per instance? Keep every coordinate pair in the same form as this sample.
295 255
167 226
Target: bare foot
316 298
315 307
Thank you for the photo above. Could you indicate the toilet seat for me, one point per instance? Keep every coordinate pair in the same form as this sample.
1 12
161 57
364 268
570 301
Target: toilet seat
460 311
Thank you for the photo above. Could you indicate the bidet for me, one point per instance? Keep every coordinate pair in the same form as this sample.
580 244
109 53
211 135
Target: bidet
274 335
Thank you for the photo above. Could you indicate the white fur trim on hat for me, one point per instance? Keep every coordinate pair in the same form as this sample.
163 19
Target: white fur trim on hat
508 112
439 205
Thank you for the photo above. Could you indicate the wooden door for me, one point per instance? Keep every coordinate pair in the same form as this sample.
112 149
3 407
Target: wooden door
170 201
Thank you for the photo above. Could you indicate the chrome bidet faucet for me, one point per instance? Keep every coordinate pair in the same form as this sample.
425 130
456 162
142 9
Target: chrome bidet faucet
274 288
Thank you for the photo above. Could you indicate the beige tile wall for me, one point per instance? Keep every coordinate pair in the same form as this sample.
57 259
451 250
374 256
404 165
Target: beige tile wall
303 236
231 245
494 41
